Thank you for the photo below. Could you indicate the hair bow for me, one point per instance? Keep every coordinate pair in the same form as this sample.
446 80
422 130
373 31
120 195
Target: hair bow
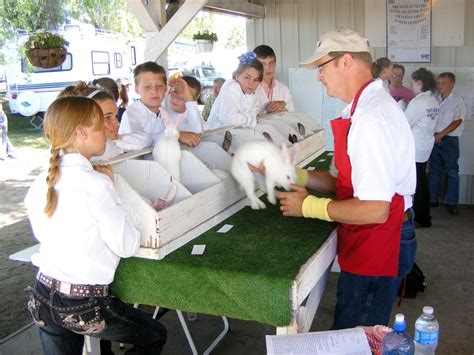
247 57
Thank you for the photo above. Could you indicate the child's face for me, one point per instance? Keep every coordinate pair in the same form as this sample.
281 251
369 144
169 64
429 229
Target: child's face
111 123
94 141
151 87
269 65
177 102
249 80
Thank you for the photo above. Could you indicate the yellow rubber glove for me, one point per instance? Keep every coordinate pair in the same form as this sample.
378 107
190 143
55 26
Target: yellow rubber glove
315 207
301 177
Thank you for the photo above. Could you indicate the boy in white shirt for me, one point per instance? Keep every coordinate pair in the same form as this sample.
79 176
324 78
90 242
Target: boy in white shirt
274 96
144 114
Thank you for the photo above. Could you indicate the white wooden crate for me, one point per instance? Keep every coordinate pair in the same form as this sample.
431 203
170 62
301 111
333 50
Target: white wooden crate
207 194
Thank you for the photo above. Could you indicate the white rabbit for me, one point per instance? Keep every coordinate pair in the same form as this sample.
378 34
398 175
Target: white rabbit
167 150
279 169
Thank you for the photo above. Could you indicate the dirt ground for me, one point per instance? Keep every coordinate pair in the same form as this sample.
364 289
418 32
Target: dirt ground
16 176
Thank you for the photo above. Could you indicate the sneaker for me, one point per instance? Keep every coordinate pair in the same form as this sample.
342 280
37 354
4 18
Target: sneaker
434 204
452 209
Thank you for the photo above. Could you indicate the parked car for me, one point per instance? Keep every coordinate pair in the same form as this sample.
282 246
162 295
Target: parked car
205 75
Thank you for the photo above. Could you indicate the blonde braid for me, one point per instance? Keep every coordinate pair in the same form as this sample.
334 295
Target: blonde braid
51 180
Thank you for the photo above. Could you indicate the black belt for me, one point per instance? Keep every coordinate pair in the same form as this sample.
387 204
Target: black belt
70 289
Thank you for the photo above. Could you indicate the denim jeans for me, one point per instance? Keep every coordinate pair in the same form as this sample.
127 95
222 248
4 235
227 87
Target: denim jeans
368 300
64 320
445 155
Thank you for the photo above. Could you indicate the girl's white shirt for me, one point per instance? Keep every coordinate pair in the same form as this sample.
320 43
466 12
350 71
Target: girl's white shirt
233 107
89 232
125 143
422 114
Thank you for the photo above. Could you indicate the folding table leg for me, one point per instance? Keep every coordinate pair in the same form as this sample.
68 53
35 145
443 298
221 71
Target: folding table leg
186 332
219 337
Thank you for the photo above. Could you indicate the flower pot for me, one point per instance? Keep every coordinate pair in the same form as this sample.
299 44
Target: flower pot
204 45
47 58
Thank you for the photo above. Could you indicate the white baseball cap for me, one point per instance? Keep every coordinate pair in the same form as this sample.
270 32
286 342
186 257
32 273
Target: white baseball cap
341 39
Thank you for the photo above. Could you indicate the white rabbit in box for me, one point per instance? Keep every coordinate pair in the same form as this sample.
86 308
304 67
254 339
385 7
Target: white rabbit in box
279 169
167 150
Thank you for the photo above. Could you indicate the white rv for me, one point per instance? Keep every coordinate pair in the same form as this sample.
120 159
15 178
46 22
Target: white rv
92 53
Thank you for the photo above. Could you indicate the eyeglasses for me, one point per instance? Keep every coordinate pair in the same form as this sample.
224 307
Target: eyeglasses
320 67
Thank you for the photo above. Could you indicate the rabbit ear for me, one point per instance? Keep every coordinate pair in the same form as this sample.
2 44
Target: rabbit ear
165 117
171 193
294 153
285 154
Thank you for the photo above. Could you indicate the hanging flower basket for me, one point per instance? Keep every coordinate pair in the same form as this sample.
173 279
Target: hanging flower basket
46 49
204 45
47 58
205 41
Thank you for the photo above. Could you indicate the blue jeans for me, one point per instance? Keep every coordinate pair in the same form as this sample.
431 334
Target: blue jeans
445 155
64 320
368 300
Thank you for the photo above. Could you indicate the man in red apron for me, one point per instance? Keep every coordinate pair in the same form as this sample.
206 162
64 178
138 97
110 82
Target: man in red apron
374 157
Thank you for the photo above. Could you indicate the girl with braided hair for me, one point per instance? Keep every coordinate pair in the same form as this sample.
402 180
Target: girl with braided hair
84 231
116 144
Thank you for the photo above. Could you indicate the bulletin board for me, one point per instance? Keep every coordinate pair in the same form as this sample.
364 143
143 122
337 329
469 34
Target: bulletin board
409 31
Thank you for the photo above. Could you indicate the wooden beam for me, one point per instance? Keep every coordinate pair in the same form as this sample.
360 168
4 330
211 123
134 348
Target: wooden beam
149 14
157 43
236 7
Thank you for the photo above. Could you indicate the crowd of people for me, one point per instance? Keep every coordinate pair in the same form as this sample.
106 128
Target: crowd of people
435 114
383 141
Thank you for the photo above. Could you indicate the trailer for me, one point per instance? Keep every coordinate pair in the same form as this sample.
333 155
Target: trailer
92 53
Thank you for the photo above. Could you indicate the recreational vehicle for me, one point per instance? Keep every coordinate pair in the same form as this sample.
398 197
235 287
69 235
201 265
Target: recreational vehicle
92 53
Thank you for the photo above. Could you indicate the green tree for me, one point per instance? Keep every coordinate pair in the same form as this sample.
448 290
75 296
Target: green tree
112 15
30 16
236 38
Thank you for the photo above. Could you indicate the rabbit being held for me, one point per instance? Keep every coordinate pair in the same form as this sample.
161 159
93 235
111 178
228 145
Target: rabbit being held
279 169
167 150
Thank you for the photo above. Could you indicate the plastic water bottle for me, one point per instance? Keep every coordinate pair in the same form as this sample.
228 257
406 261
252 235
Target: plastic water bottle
426 332
398 342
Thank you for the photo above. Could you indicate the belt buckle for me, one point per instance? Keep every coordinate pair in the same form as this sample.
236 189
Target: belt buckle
65 287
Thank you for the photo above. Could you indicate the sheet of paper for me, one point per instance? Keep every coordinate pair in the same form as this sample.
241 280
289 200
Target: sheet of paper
311 168
225 228
198 249
335 342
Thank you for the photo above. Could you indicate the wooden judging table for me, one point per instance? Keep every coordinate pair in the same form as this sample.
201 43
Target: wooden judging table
263 269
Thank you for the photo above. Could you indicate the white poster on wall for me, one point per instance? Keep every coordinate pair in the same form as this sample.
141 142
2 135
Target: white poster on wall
409 31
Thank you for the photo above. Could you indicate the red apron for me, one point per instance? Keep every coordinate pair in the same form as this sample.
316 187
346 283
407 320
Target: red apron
369 249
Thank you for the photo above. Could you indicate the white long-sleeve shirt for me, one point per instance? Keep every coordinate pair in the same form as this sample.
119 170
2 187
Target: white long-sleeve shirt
422 113
140 119
89 232
278 92
233 107
125 143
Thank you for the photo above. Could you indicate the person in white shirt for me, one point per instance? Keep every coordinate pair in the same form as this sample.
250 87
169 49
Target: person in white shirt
84 230
116 144
274 96
375 160
422 112
382 69
237 103
445 154
144 114
186 103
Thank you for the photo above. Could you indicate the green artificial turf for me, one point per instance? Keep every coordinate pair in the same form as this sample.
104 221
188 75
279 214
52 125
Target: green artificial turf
245 273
